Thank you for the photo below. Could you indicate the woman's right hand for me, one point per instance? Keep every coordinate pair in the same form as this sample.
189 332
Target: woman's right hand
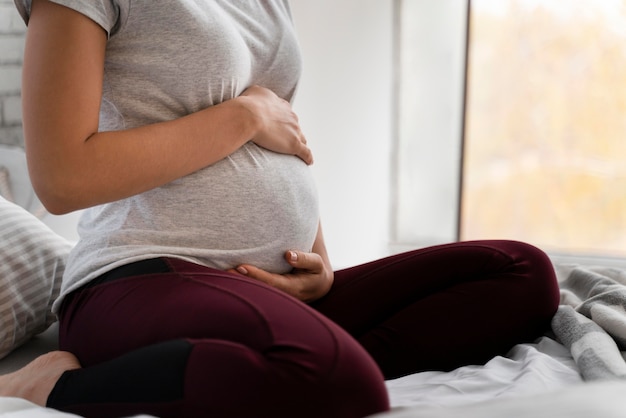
279 128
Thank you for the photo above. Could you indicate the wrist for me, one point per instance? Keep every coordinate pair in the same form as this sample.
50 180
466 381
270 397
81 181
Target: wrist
249 118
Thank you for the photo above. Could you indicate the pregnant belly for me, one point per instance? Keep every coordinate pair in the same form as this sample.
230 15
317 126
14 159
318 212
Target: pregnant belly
248 208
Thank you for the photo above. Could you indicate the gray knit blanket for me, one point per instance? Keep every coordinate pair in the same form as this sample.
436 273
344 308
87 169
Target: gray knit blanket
591 319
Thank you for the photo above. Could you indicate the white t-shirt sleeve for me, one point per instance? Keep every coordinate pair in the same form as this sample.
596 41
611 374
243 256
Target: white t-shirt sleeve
106 13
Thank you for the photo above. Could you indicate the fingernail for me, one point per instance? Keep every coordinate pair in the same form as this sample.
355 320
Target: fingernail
242 270
293 256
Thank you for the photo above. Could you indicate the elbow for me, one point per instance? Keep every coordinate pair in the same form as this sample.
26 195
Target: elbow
60 178
55 203
58 209
60 171
57 194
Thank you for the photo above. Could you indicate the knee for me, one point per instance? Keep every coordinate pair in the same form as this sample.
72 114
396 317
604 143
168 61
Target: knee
225 378
538 276
354 386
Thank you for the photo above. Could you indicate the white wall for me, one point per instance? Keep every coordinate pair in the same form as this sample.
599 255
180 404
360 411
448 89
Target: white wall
344 104
12 30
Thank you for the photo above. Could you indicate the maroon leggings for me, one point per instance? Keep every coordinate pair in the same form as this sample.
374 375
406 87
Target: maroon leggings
175 339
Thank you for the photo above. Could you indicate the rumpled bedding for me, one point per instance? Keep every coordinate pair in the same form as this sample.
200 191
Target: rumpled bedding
526 370
591 320
600 399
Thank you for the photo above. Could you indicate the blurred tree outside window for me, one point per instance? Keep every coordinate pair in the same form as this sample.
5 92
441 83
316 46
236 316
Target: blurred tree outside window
545 125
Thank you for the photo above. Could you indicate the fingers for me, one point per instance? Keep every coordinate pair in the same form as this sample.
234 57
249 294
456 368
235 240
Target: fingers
310 262
257 273
275 280
306 282
302 150
305 152
281 130
305 155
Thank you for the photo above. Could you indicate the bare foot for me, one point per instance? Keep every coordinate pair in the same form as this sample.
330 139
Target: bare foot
35 381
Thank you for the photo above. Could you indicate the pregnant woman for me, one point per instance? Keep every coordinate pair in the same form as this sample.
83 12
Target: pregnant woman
201 286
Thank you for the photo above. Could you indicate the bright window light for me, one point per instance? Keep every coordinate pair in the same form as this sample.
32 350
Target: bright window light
545 133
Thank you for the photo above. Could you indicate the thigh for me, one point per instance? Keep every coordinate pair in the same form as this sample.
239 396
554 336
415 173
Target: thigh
440 307
364 295
188 302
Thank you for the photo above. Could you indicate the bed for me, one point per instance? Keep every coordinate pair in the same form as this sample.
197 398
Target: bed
575 370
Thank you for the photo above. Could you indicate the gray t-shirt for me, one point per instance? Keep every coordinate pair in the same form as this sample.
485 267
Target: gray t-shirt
167 59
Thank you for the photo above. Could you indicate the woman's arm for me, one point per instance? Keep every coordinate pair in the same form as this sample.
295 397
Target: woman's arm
311 278
72 166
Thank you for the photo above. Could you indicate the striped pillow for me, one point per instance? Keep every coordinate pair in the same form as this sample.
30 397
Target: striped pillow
32 261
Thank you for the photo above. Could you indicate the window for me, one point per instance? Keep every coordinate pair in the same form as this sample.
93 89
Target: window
528 143
545 143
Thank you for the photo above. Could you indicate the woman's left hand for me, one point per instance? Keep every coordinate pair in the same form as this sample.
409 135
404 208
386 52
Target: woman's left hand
310 279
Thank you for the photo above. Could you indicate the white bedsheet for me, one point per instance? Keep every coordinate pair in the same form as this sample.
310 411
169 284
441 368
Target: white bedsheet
20 408
603 399
527 369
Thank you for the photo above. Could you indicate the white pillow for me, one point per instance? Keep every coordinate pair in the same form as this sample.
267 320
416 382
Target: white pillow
32 261
13 166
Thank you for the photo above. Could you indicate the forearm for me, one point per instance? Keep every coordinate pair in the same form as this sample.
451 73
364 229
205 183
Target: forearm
71 174
71 164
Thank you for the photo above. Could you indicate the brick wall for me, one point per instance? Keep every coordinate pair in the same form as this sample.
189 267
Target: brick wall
12 31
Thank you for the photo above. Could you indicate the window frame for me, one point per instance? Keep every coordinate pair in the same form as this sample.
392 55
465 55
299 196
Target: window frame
421 219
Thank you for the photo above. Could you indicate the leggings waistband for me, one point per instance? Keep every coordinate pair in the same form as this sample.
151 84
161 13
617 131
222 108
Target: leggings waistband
137 268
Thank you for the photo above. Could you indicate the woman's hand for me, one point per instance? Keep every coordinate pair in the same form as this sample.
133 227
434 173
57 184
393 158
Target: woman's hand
310 279
279 129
